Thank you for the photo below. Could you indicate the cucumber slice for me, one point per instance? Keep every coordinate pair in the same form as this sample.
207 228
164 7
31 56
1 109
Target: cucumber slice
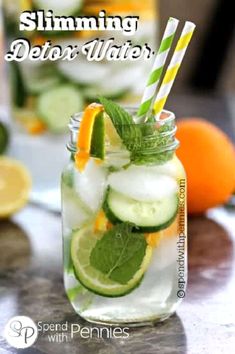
37 86
57 105
83 242
146 216
38 80
65 8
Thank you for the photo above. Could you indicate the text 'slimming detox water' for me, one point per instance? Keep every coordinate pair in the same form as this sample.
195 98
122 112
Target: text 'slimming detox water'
45 93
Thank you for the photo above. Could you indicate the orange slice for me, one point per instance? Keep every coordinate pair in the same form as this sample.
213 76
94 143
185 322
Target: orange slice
154 238
172 230
85 134
36 127
101 222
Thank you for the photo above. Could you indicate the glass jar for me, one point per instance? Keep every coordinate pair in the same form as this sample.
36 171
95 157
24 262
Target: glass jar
125 227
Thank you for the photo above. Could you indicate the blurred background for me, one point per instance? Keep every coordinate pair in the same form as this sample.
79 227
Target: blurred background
209 65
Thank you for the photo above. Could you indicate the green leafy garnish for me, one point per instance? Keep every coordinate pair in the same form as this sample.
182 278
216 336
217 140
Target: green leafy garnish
125 126
146 142
119 253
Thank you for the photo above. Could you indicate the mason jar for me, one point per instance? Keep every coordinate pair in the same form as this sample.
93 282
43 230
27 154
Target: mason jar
125 227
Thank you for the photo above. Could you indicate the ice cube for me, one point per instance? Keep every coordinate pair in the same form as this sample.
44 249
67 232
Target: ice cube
74 212
142 183
90 185
172 168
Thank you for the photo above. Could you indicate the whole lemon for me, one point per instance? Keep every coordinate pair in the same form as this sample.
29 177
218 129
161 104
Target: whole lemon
209 160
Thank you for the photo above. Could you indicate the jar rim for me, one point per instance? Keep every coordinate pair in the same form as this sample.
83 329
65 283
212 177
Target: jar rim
168 119
170 116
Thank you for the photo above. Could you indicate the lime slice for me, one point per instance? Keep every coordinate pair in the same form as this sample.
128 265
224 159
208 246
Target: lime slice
4 137
15 185
83 242
98 137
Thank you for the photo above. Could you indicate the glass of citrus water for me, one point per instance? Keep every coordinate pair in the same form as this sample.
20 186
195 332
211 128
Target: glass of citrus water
43 94
124 218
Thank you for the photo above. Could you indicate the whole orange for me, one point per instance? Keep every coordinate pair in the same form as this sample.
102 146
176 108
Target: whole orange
209 160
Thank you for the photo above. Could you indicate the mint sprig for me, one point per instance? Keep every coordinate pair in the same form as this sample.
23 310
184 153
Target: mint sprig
117 114
123 122
119 253
144 141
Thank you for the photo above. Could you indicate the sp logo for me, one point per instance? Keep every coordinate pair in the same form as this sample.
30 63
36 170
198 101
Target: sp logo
21 332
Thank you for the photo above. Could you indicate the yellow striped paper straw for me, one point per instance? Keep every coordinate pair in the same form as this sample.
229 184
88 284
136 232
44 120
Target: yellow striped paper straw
156 72
173 67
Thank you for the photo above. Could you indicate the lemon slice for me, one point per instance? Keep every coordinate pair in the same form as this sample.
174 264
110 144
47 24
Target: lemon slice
15 184
112 136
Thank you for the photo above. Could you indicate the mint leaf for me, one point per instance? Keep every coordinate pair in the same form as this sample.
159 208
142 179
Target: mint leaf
126 128
144 141
119 253
117 114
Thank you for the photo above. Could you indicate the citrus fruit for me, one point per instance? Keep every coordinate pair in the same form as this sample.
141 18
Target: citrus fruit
83 242
4 138
97 148
36 127
101 222
112 136
31 122
209 160
91 138
15 184
153 239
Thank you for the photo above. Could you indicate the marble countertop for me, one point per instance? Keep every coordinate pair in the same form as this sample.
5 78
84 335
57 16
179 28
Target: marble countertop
31 284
